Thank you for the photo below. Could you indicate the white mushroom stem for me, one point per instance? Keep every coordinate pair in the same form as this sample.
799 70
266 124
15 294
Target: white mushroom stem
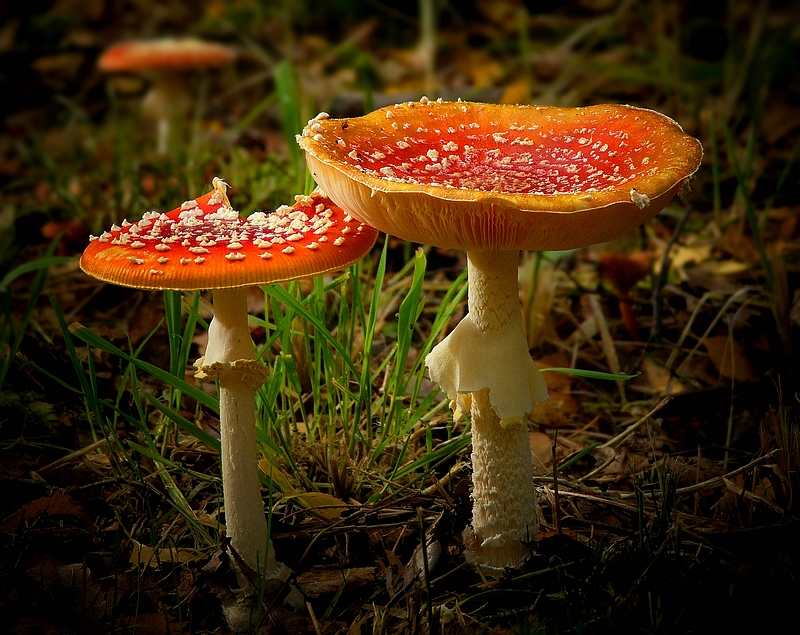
166 103
229 357
484 365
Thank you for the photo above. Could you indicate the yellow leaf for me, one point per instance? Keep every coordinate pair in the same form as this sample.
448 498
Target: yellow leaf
322 505
142 555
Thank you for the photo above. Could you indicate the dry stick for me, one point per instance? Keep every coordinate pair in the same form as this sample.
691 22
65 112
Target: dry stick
439 485
72 456
630 429
719 481
313 616
556 504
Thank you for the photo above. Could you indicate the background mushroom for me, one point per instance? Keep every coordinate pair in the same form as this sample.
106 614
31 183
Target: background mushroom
204 244
491 180
168 59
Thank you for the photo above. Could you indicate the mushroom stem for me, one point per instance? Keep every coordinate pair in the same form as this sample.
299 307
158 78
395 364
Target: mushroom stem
504 500
229 355
484 365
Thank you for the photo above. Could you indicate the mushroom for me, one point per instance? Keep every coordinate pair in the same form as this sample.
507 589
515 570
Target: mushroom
623 272
168 58
204 244
492 180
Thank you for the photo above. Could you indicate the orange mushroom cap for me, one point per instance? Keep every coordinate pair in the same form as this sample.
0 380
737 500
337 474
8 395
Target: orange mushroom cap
204 244
486 177
165 54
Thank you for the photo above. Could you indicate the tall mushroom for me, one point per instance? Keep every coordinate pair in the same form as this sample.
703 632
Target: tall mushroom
492 180
167 59
204 244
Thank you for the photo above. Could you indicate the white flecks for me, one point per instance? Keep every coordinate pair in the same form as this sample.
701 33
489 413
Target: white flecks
323 239
198 250
234 245
266 255
185 261
312 246
288 250
136 261
136 244
339 241
188 205
294 237
450 146
432 154
353 155
92 238
424 100
403 145
389 114
378 155
320 117
387 171
316 127
347 230
156 272
163 260
199 260
162 247
318 137
341 142
234 256
640 200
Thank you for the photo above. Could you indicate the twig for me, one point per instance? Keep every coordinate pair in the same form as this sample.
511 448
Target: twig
556 507
72 456
719 481
630 429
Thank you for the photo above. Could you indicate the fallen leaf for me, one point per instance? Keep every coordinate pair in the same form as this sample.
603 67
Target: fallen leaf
58 506
145 556
320 504
730 358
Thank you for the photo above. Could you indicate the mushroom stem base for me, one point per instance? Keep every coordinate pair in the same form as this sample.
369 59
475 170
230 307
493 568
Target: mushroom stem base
504 499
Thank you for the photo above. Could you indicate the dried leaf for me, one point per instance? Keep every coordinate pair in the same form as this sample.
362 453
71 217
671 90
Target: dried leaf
58 506
322 505
730 358
144 556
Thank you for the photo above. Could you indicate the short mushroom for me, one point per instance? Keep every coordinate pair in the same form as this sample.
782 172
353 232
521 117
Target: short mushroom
167 58
204 244
492 180
623 272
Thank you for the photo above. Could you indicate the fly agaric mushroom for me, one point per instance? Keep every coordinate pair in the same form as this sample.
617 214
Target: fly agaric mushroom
204 244
167 58
623 273
492 180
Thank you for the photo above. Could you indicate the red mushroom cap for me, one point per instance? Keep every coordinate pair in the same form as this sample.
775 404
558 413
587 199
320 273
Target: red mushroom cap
204 244
485 177
165 53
